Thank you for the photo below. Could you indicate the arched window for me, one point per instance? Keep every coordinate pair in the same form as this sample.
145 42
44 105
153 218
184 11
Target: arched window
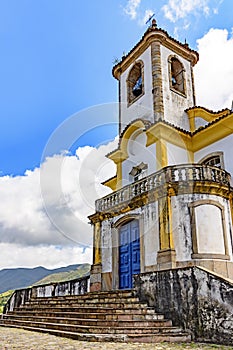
214 159
177 81
135 82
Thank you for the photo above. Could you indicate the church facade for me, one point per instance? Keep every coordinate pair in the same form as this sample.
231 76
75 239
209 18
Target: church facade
171 204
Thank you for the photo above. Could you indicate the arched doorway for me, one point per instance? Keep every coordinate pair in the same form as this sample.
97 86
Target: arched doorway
129 253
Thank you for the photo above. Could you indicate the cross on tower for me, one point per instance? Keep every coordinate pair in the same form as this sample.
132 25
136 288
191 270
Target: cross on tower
149 19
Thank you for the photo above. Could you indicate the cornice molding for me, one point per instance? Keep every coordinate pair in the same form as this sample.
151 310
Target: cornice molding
166 190
158 35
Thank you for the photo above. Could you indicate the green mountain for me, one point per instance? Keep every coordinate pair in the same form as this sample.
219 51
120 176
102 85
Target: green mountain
53 276
11 279
80 271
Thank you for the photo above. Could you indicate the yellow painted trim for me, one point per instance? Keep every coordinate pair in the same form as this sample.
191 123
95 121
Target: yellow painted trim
170 134
158 36
164 243
111 183
213 133
165 223
161 154
194 143
192 124
121 153
203 113
191 157
170 232
231 208
97 245
117 156
119 176
137 125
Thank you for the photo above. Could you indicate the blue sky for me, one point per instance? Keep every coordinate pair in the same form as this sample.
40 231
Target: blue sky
56 62
56 59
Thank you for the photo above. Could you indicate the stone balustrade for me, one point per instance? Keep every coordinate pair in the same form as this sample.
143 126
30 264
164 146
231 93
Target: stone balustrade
177 174
73 287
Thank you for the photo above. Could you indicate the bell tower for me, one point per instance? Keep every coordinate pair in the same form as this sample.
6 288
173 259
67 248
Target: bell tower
156 80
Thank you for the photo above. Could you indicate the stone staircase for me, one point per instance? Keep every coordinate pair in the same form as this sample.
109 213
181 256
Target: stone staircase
100 316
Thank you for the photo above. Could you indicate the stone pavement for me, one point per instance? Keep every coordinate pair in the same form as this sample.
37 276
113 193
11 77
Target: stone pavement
18 339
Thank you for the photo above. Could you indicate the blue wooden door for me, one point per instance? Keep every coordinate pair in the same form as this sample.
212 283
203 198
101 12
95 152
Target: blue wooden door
129 254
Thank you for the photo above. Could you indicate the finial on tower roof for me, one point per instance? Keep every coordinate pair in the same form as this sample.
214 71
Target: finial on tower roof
185 43
149 20
154 24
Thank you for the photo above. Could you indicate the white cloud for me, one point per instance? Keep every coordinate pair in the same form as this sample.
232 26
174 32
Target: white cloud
131 8
48 207
214 72
179 9
15 255
148 13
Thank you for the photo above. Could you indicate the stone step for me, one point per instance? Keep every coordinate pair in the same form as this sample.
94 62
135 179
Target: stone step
103 316
111 293
79 299
112 302
114 305
171 337
86 309
124 294
91 322
145 338
93 329
136 315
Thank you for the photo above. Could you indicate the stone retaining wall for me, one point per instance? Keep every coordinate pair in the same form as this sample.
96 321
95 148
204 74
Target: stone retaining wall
193 298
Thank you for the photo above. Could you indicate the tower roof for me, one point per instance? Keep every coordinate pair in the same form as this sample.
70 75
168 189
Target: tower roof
154 34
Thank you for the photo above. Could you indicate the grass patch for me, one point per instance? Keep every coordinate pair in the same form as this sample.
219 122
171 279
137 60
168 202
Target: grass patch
4 298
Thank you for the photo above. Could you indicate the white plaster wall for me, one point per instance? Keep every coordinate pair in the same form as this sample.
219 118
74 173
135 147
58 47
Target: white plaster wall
138 153
181 224
106 246
151 233
143 107
209 229
176 155
174 103
225 145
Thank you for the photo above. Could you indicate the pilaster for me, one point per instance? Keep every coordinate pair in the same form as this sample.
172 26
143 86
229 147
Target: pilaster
166 258
96 268
157 81
161 154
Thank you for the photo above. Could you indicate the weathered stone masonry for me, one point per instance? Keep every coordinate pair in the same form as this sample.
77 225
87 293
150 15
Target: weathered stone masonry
193 297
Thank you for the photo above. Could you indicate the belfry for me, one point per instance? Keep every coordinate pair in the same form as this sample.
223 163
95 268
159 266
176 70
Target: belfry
171 205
